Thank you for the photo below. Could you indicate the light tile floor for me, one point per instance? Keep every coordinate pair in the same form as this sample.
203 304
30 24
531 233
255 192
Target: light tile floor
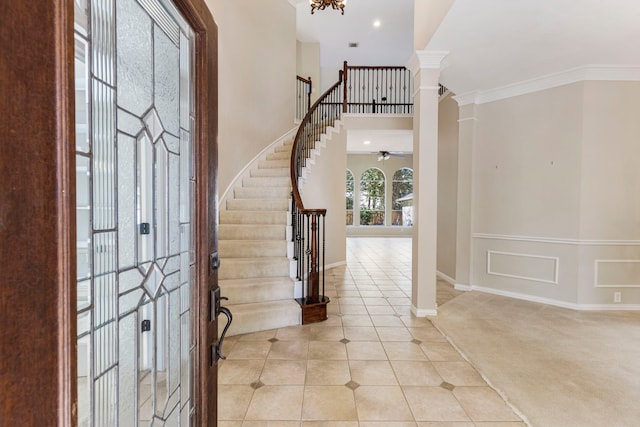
371 364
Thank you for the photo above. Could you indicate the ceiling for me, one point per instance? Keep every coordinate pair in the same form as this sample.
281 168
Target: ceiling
389 44
491 43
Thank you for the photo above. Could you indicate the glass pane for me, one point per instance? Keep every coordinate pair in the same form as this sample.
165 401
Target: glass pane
167 81
81 17
83 222
104 325
105 400
135 58
146 344
84 381
144 194
161 200
185 82
174 204
103 141
81 70
174 340
126 201
128 123
127 369
102 40
185 351
162 354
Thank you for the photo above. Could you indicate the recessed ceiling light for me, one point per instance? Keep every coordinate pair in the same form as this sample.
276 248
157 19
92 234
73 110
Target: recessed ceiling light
377 23
366 142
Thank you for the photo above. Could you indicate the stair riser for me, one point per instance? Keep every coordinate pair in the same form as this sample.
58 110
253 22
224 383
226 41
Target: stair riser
258 205
257 293
262 193
271 164
283 155
279 172
256 249
267 182
242 270
253 217
252 232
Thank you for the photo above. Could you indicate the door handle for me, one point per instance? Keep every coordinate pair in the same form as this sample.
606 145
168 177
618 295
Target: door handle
226 312
218 309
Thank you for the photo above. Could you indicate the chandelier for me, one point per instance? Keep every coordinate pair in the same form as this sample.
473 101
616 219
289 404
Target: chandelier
323 4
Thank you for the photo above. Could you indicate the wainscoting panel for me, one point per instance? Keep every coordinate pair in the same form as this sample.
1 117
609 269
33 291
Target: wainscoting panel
536 268
617 273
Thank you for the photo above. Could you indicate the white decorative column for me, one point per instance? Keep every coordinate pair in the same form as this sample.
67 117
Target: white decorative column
466 142
426 71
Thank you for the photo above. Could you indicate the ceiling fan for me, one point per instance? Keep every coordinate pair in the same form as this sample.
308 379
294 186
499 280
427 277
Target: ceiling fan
386 155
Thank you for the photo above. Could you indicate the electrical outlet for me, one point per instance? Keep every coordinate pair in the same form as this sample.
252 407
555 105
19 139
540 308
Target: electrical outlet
617 297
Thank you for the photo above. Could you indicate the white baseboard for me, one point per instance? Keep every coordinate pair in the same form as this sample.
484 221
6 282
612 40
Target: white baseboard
421 312
550 301
334 265
446 278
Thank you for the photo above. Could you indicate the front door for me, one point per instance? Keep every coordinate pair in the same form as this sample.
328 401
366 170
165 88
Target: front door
136 186
107 225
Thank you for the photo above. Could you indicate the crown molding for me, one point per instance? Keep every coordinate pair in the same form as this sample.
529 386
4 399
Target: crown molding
549 81
429 59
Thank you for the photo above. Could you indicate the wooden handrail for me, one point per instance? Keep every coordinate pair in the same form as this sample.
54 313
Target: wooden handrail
295 161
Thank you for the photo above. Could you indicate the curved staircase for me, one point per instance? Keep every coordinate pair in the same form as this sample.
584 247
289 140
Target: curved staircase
254 237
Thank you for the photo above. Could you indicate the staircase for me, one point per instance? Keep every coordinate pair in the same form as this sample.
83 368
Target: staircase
253 247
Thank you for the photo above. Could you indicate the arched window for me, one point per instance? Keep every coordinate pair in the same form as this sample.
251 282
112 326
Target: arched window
372 185
402 208
349 197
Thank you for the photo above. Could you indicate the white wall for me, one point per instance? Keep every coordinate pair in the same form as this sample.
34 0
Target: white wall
447 186
257 71
554 195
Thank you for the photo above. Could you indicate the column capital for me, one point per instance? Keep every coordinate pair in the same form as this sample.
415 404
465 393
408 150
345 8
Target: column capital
426 59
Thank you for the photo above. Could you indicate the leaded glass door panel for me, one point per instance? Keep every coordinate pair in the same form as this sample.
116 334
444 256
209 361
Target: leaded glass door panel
136 185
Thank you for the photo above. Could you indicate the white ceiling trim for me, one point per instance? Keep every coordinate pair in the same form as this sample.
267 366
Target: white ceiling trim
573 75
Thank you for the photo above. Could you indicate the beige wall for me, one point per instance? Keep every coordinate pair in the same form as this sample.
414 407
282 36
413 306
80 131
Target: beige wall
447 186
554 199
324 189
257 70
308 65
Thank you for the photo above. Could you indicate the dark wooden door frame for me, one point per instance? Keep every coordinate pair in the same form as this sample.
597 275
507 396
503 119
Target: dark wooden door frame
38 360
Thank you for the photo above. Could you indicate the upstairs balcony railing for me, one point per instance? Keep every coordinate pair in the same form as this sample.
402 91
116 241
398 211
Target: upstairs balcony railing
377 89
